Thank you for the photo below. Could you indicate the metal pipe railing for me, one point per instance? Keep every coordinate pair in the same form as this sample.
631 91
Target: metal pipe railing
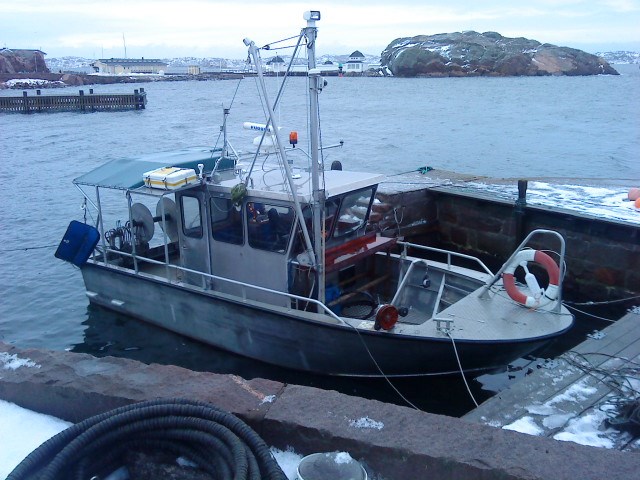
245 286
446 252
405 278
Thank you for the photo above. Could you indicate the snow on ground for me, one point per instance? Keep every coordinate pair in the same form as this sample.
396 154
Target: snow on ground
589 428
525 425
32 83
602 202
598 198
26 430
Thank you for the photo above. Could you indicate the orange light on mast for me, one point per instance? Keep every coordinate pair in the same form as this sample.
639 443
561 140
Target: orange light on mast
293 138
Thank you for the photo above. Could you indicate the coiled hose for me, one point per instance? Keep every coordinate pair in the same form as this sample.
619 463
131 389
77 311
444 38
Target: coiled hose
219 443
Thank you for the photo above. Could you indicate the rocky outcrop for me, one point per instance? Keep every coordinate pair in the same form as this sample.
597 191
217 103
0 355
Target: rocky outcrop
22 61
475 54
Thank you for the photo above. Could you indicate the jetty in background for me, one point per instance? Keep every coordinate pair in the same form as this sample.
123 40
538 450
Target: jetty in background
81 102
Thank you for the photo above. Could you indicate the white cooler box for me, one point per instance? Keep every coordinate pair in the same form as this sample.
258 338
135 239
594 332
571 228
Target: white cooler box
170 178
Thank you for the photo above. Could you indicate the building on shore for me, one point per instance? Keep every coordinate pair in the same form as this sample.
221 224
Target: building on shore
123 66
275 65
355 63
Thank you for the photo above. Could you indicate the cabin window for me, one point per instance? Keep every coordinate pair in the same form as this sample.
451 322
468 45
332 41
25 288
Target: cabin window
269 226
353 212
330 210
226 221
191 218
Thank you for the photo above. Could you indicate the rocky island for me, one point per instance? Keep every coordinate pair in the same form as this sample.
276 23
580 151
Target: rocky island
471 53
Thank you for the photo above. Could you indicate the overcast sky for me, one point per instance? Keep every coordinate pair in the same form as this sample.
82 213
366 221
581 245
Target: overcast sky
210 28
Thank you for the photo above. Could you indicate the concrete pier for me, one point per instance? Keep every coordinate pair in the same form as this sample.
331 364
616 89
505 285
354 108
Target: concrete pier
395 443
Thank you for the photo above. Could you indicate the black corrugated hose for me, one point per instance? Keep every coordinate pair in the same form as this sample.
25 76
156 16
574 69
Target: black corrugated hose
218 442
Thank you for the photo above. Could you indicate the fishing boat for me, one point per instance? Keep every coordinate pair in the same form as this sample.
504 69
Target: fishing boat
272 256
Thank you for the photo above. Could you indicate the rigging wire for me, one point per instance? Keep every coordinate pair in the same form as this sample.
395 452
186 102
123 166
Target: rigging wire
225 118
623 408
275 104
267 46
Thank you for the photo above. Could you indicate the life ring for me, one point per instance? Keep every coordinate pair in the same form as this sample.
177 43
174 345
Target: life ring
543 296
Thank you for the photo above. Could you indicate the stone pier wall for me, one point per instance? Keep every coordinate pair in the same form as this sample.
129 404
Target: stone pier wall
602 257
395 443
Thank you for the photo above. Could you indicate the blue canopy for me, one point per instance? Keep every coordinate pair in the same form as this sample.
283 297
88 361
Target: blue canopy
127 173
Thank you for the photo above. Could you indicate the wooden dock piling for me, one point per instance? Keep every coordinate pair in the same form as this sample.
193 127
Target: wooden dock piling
81 102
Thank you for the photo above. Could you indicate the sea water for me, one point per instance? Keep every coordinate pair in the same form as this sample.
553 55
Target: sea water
521 127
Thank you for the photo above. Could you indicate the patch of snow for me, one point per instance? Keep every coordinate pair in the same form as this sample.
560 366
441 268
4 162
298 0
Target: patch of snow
288 461
561 376
575 393
605 202
635 310
585 431
13 362
32 83
525 425
541 409
556 420
366 422
268 399
343 457
24 431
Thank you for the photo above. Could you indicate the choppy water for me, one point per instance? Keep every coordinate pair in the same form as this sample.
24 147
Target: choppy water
585 127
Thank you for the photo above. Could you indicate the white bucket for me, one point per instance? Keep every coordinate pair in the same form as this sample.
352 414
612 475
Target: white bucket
330 466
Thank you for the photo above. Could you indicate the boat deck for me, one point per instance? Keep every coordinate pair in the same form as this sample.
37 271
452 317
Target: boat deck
571 397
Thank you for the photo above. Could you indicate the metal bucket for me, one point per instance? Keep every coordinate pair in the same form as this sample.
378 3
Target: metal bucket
330 466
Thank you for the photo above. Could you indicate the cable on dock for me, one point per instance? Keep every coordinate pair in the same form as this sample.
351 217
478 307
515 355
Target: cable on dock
622 410
216 441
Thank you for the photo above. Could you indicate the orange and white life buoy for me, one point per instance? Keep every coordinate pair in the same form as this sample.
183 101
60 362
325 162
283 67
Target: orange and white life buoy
541 297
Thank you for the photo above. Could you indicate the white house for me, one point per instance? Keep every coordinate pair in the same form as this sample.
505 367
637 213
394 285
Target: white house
355 63
276 65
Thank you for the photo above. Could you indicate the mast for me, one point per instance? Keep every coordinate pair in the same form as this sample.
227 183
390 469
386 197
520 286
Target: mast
314 79
253 51
225 140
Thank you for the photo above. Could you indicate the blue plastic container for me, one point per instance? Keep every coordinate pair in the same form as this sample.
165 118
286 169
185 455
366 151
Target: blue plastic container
78 243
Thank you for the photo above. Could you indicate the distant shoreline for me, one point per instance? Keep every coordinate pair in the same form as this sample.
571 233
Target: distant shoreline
56 80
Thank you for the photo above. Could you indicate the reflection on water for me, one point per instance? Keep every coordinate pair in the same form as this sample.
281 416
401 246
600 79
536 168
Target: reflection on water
111 334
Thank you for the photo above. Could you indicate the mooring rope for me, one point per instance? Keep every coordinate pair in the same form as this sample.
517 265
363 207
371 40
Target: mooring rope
24 249
455 350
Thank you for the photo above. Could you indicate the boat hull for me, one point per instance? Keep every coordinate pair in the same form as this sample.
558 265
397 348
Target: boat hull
288 340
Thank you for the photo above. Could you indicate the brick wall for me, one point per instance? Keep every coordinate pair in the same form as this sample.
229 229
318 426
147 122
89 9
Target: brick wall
603 257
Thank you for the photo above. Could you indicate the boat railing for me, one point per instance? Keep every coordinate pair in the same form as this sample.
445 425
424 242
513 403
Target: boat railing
449 254
207 277
404 279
